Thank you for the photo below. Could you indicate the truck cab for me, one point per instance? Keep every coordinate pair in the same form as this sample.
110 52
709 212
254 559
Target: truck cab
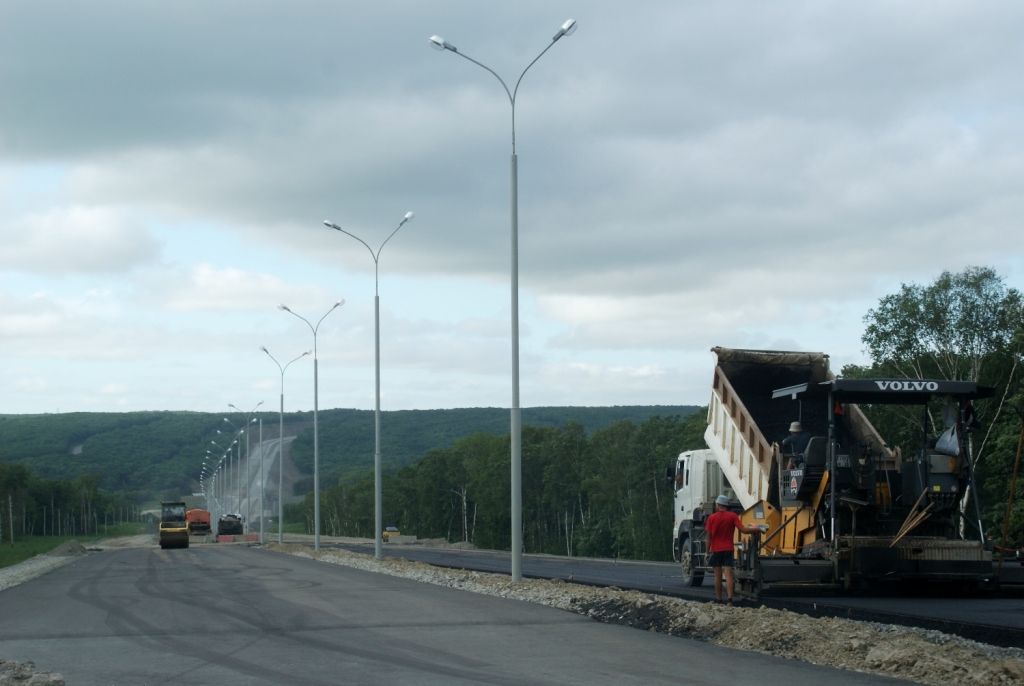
697 480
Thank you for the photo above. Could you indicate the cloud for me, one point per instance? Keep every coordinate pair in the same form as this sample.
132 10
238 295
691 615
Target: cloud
206 288
76 239
737 173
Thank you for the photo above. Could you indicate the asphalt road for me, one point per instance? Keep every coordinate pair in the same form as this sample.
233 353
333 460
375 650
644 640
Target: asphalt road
996 620
229 615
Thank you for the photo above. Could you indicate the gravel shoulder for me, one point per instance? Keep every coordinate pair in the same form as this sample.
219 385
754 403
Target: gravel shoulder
926 657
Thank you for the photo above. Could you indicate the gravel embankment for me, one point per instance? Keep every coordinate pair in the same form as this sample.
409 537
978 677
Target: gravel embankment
26 674
927 657
40 564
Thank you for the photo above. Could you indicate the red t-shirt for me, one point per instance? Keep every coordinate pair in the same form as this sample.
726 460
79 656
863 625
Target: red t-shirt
720 527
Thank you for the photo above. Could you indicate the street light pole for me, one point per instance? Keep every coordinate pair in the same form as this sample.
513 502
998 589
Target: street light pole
280 437
516 433
316 432
263 490
378 498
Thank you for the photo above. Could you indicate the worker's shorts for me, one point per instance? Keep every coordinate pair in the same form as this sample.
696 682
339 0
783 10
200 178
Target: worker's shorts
720 559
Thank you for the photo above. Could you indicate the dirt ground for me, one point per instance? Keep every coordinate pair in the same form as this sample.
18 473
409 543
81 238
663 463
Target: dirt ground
926 657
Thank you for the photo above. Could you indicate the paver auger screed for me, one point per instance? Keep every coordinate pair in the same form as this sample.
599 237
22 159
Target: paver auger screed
847 511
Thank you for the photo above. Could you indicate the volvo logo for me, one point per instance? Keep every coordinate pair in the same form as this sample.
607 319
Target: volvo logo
907 385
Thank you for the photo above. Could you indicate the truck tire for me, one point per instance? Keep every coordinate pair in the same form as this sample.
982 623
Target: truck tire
691 577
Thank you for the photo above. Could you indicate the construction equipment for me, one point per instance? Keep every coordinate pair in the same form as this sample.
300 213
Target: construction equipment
173 525
230 525
848 510
198 522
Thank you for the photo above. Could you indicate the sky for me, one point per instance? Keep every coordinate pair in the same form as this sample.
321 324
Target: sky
691 174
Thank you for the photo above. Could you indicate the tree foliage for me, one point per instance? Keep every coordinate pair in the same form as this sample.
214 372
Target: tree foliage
347 436
597 495
30 506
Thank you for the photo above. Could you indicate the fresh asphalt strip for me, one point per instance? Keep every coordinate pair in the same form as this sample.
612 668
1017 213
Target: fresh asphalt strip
1005 609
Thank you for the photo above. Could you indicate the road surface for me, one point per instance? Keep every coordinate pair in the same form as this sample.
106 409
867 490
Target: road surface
231 615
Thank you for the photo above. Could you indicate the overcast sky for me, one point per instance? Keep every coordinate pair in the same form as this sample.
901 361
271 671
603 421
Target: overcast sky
691 174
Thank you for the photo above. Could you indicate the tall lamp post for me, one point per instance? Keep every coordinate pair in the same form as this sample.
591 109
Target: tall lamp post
378 507
280 456
439 43
316 433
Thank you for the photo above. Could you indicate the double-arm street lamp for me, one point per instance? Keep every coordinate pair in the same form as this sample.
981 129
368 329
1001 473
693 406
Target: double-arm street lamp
280 455
316 439
439 43
378 508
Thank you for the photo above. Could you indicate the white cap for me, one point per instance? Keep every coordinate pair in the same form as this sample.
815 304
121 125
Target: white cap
722 500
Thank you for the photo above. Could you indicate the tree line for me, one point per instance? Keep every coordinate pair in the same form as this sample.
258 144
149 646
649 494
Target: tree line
602 494
31 506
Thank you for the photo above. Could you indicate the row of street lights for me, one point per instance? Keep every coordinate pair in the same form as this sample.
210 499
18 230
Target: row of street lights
438 43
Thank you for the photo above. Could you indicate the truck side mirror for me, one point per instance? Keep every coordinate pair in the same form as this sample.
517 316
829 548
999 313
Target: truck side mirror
670 476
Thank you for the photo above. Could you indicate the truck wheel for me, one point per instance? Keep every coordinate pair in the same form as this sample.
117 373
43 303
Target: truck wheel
691 577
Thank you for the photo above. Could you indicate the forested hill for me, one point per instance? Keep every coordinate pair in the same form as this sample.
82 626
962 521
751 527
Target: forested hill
161 453
347 436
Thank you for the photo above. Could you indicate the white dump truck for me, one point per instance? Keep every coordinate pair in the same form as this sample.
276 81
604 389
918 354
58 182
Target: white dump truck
846 511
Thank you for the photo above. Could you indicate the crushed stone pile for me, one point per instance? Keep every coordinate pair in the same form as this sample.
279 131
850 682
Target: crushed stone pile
923 656
26 674
137 541
70 548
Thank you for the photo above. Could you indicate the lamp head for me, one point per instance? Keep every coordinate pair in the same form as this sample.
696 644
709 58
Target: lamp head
264 349
226 420
332 225
408 217
568 28
339 303
438 43
283 307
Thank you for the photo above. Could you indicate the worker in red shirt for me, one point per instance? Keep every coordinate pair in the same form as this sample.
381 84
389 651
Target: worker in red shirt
720 527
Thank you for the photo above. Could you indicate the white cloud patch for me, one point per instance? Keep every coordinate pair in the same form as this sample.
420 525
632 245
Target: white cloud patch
76 239
207 288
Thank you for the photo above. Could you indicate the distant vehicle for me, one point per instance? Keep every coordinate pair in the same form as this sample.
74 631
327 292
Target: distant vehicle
173 525
198 522
230 525
390 531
